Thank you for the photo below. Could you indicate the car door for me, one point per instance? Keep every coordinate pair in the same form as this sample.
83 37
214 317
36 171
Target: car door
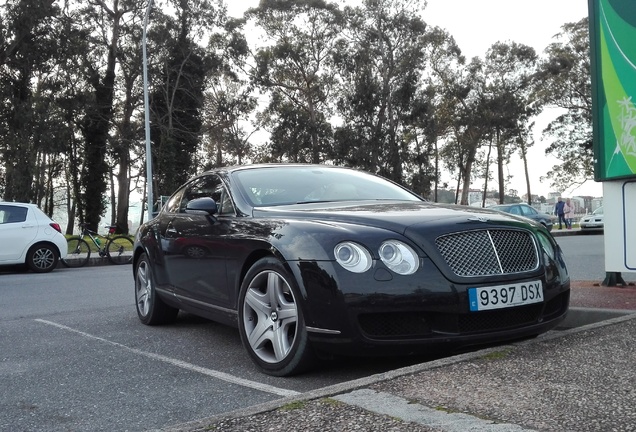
194 245
18 229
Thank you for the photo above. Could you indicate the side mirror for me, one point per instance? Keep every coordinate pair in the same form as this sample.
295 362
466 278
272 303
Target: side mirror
202 206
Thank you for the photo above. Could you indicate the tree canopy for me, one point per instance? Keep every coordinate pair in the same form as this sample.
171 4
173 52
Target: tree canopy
373 87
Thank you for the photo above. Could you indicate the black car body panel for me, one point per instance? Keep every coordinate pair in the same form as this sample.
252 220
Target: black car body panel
200 260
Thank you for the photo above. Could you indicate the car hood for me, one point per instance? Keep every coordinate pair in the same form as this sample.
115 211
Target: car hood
397 216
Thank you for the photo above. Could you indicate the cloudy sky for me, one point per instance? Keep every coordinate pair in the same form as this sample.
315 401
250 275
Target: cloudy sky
476 25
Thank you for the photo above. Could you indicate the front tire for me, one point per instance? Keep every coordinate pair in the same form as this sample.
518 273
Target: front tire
151 310
271 320
42 258
120 250
78 253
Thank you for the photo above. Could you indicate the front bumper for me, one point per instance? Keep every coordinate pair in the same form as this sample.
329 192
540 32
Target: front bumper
384 314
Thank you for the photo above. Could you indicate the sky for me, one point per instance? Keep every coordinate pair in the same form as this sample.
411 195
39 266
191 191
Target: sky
476 25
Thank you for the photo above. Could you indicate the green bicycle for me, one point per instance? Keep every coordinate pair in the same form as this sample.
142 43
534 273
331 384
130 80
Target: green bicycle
118 249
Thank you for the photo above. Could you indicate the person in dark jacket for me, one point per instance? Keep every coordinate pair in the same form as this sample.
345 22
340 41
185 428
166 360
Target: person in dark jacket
559 210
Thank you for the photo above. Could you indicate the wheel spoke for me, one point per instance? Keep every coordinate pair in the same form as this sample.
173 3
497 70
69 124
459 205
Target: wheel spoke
288 313
280 342
274 290
261 334
257 301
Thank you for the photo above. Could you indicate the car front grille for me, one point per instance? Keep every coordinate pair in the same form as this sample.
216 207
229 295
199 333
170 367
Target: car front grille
489 252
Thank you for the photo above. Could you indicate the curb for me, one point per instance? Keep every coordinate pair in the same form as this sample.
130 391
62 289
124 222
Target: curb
609 317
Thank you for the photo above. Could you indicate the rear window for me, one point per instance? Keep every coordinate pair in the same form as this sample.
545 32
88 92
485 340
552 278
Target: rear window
12 214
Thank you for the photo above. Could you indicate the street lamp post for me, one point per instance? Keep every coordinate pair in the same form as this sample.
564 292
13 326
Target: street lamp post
149 197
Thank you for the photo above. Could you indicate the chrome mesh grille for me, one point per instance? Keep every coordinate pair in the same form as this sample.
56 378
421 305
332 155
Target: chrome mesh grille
488 252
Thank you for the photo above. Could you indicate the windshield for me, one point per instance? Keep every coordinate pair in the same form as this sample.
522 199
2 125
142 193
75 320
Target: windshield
279 185
598 211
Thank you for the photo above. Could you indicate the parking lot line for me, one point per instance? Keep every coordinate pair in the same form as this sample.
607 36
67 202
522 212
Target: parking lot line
184 365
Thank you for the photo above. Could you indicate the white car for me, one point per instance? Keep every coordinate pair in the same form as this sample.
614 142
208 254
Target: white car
593 221
28 236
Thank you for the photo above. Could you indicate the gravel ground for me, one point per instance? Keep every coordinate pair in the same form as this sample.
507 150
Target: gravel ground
572 383
323 415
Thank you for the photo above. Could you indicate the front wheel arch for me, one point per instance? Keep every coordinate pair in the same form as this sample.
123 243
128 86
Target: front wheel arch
271 319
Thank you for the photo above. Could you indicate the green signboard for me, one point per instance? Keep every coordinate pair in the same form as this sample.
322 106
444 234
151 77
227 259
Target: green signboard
613 50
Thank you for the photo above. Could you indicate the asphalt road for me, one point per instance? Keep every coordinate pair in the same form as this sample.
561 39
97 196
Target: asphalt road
74 357
585 257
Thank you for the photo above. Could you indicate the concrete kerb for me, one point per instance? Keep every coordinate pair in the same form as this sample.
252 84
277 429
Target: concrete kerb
93 261
588 318
580 316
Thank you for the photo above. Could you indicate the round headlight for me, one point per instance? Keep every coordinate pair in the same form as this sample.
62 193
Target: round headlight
353 257
399 257
390 253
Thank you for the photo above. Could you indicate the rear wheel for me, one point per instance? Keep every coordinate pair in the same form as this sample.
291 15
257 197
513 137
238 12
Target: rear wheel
42 258
120 250
78 253
271 321
150 308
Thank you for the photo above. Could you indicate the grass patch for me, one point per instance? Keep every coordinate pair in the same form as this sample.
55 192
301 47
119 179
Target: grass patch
293 406
331 401
446 410
497 355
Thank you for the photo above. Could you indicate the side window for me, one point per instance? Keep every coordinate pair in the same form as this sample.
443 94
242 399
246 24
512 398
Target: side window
172 206
12 214
208 186
528 211
515 210
223 200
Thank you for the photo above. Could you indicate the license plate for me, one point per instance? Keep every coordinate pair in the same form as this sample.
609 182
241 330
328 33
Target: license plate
505 296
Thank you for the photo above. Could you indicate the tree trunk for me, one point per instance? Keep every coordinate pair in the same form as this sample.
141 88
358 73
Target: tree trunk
483 198
500 168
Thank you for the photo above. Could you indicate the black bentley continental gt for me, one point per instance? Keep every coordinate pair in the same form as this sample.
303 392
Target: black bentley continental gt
311 260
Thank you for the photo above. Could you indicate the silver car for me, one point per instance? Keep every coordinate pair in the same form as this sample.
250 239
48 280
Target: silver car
593 221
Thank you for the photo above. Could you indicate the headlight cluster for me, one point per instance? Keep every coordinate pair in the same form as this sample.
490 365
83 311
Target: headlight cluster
396 255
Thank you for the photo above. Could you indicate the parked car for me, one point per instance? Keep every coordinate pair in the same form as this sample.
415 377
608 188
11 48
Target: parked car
28 236
312 260
593 221
526 211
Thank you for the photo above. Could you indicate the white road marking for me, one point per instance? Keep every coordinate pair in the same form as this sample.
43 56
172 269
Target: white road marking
205 371
395 406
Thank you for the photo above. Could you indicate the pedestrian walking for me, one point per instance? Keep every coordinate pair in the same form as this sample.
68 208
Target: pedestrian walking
560 213
568 212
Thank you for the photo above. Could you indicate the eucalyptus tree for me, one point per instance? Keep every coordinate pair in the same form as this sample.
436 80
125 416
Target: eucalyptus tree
381 67
563 81
29 38
294 63
179 65
104 25
465 92
229 104
509 68
126 159
229 99
443 61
